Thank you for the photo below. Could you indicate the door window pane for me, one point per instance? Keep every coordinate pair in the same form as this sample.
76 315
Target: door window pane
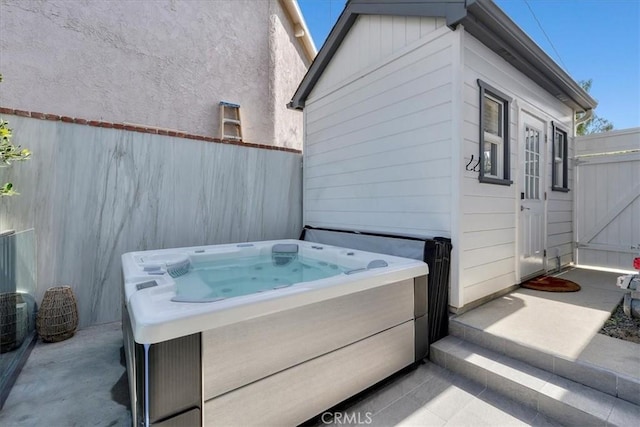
532 164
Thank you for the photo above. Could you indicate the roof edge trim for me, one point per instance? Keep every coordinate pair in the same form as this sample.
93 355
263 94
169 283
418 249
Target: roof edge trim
294 13
499 22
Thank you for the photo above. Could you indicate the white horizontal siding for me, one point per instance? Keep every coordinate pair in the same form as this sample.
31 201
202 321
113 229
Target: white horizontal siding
403 204
491 284
412 111
419 154
482 63
380 94
478 257
560 224
489 238
386 141
377 149
371 39
487 278
387 189
407 170
488 222
483 239
416 65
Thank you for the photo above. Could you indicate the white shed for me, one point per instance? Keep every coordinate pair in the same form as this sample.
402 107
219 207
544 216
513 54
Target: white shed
443 118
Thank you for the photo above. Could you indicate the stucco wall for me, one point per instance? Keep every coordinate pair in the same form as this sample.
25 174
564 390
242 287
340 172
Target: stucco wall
288 66
164 63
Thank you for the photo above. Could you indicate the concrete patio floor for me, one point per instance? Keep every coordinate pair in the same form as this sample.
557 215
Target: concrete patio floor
562 324
77 382
81 381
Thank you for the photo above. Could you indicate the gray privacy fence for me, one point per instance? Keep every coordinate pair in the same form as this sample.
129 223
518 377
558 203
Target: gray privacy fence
94 193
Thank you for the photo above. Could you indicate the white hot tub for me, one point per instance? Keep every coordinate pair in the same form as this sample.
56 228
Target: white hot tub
265 332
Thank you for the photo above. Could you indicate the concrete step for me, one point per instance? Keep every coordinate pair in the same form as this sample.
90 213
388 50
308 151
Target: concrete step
583 372
566 401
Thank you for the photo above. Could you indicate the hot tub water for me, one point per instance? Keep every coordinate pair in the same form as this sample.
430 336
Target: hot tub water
228 278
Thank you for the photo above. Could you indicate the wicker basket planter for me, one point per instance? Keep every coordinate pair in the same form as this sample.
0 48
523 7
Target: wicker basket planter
58 314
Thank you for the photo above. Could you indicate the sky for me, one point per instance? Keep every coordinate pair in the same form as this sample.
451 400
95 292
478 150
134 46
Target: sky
590 39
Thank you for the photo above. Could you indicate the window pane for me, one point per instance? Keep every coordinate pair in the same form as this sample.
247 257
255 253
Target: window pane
559 173
559 141
561 146
492 116
490 159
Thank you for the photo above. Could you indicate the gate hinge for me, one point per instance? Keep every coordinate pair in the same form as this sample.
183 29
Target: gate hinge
545 195
544 253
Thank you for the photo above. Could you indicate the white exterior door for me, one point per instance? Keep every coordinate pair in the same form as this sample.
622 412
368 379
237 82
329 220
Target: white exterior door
531 220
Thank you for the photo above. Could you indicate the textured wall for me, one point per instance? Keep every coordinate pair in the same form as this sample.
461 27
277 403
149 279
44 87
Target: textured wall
288 65
93 194
164 63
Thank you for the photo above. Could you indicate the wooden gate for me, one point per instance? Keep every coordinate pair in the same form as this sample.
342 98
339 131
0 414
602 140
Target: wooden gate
607 199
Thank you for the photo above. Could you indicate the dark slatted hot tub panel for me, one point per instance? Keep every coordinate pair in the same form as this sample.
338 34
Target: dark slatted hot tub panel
175 380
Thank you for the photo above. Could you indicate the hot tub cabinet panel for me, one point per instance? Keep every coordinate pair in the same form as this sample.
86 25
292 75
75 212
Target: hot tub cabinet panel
173 374
272 343
167 381
303 391
298 351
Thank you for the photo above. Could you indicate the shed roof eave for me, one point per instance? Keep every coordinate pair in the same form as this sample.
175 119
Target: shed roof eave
524 54
481 18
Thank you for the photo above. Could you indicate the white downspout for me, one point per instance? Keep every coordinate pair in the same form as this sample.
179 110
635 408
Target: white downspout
587 116
300 29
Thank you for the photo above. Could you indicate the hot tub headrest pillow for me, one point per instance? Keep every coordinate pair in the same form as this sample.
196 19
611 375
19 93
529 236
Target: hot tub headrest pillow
284 248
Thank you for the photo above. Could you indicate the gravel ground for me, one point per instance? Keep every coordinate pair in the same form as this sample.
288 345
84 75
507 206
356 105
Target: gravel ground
622 326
